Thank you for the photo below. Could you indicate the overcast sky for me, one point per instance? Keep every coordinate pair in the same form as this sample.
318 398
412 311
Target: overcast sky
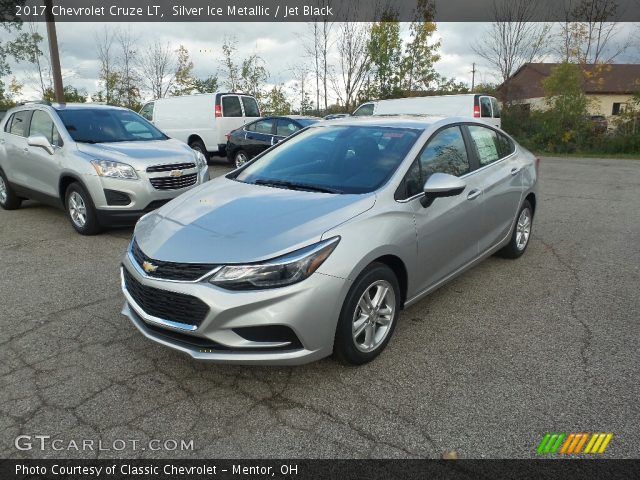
279 44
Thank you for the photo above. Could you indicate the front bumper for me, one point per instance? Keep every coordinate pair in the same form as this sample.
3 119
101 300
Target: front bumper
142 194
310 309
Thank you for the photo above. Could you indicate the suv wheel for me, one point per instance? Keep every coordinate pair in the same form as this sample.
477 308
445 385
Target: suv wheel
368 316
81 211
521 233
8 198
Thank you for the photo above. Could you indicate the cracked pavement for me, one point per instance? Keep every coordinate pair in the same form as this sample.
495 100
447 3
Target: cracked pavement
485 366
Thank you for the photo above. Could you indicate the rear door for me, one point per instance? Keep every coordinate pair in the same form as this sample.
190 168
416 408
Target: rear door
260 136
499 173
15 137
487 112
232 117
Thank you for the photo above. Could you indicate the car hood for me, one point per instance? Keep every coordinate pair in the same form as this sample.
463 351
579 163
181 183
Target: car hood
225 221
140 154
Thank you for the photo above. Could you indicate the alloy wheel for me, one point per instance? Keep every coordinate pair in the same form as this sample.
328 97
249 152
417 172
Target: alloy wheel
373 316
3 191
241 159
77 209
523 229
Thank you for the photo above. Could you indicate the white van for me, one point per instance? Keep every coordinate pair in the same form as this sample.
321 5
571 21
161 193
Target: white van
467 105
202 120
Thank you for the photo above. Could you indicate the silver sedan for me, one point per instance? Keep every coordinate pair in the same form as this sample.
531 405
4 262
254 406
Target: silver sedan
316 246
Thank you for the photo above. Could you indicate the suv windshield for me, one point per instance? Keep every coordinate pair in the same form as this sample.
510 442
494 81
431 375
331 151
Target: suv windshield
103 125
333 159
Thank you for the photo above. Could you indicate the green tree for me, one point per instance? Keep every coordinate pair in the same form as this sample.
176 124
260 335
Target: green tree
230 68
420 52
385 53
566 120
71 95
184 82
206 85
253 75
276 102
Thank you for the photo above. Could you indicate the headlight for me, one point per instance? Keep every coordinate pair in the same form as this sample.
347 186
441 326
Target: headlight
201 160
107 168
279 272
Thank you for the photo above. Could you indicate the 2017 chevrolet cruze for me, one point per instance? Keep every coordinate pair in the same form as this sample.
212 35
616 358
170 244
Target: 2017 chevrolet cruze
107 166
315 246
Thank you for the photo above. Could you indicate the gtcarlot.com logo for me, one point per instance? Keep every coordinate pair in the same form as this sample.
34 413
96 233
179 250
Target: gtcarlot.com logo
46 442
574 443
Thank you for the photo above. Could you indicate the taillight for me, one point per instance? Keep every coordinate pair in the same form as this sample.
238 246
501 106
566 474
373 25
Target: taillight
218 111
228 135
476 111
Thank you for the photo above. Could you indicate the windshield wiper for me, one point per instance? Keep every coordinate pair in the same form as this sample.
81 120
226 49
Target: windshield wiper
295 186
87 141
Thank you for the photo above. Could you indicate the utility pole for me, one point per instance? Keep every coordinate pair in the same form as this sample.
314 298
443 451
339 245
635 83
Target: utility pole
53 50
473 77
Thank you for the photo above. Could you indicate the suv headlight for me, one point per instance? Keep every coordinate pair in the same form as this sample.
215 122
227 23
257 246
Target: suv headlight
201 160
107 168
279 272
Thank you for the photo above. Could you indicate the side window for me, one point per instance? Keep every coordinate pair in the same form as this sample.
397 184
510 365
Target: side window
286 128
264 126
496 108
486 144
364 110
250 107
147 111
231 106
485 107
505 146
444 153
7 126
42 124
19 125
251 127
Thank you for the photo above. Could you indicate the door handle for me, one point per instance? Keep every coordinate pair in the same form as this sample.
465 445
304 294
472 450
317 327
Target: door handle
515 171
473 194
25 149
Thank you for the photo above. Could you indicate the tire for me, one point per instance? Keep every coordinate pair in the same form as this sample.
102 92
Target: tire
240 157
8 198
356 348
199 146
80 210
521 233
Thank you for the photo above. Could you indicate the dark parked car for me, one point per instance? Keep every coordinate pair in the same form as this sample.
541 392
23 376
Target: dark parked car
599 123
253 138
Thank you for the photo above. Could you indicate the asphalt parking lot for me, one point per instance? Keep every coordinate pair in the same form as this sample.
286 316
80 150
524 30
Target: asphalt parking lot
484 366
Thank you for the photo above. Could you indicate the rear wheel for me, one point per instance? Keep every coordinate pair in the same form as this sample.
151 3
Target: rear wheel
521 233
81 211
368 316
240 158
8 198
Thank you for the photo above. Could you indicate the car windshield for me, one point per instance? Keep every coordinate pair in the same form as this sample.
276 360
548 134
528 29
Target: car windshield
105 125
333 159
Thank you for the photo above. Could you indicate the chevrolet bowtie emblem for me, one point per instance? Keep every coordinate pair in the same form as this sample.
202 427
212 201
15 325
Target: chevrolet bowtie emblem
175 173
149 267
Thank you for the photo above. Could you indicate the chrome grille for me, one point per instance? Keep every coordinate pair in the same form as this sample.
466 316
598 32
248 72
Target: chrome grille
174 183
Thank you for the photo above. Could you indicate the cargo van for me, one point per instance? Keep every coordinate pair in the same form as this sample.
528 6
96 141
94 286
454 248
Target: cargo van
202 120
473 105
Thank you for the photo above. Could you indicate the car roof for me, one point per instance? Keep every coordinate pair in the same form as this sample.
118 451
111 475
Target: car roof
420 122
84 106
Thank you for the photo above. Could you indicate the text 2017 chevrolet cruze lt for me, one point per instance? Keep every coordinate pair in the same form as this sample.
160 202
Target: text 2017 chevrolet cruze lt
315 246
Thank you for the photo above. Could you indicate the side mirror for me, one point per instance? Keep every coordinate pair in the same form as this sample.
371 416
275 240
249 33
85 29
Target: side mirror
42 142
442 185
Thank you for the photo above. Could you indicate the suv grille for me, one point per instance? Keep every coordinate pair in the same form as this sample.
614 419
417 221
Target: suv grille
168 168
174 183
170 270
167 305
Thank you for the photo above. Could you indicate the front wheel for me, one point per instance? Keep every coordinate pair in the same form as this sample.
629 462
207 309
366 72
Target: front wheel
521 233
368 316
81 211
8 198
